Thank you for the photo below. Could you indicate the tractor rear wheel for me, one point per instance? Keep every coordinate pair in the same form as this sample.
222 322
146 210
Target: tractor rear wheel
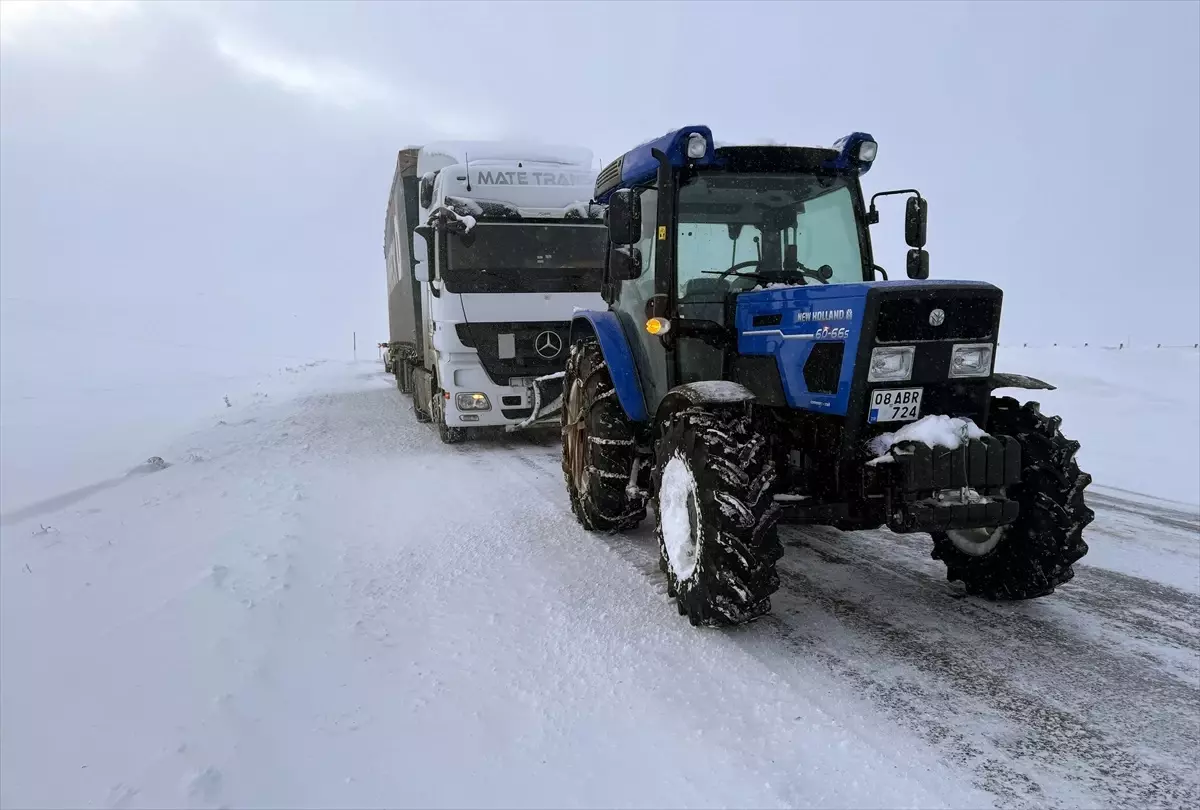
714 484
1035 554
598 445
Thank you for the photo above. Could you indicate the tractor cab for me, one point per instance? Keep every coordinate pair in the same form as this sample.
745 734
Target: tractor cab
691 225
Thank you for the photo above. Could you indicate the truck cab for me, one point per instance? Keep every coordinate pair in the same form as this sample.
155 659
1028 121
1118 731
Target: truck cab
506 246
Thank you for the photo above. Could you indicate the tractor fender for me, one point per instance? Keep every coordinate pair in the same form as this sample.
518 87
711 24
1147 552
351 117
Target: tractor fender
1019 381
617 355
708 392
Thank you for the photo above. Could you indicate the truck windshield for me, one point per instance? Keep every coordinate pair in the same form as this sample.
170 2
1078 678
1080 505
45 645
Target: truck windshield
789 228
526 257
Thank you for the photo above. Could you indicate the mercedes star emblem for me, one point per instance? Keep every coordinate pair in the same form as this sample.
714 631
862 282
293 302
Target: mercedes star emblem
548 344
937 317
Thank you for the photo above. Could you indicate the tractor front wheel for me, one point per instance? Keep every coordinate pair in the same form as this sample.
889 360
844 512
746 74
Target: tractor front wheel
598 445
714 485
1035 554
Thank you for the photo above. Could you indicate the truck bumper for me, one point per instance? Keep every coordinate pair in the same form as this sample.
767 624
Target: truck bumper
532 403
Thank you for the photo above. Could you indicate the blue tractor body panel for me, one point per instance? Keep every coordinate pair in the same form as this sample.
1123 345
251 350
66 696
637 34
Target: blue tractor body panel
618 356
810 315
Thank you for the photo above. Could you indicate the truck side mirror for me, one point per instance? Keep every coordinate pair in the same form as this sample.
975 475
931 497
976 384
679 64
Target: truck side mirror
624 218
918 264
916 219
426 190
420 255
624 263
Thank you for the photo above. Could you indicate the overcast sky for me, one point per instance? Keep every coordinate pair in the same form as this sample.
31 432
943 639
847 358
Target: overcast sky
216 174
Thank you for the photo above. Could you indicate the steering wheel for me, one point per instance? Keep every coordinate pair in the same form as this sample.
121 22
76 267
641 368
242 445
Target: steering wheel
821 274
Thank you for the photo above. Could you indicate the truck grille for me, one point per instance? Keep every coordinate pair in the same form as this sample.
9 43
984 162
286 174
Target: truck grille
904 320
525 361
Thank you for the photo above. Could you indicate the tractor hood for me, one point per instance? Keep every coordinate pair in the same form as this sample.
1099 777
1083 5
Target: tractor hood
818 334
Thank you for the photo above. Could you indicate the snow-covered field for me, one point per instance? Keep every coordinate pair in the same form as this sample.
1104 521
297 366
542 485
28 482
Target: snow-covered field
317 604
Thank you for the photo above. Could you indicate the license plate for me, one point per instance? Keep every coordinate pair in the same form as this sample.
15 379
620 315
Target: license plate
895 405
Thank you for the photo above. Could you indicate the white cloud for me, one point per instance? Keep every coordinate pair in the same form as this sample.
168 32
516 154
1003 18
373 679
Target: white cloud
39 21
324 81
141 37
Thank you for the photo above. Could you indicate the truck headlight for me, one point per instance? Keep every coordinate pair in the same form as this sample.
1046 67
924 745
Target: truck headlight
891 364
971 360
472 402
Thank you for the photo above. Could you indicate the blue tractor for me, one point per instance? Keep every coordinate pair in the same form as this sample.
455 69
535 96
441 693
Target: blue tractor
755 367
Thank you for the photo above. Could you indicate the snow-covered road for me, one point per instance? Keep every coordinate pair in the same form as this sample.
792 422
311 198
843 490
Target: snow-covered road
317 604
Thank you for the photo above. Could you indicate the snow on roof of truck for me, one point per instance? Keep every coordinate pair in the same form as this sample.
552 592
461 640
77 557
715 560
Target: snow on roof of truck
446 153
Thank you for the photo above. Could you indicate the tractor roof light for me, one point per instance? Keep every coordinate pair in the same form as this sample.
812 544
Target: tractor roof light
692 144
856 152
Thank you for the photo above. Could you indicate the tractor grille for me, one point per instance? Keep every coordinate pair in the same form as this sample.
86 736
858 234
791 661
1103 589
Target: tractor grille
904 320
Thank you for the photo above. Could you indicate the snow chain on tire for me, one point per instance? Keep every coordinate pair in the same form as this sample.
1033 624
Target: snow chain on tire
737 543
1038 550
447 433
597 435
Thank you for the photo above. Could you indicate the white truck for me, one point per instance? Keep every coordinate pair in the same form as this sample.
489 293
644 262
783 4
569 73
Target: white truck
491 246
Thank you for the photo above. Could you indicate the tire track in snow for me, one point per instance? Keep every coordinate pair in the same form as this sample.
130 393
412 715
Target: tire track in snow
1080 698
1045 704
1060 711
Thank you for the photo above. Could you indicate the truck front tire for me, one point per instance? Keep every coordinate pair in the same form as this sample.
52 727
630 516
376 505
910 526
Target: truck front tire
448 434
714 483
598 444
1035 554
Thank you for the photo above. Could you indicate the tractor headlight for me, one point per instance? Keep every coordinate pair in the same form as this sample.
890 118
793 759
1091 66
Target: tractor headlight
971 360
867 150
891 364
472 402
696 146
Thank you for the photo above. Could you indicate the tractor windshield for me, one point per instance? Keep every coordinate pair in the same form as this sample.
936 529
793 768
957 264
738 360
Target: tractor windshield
738 231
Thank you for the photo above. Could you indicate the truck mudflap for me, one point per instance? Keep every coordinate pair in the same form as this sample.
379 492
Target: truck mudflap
939 489
547 402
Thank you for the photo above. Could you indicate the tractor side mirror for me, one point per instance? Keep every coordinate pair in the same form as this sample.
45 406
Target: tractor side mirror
918 264
426 190
422 261
916 219
624 263
624 219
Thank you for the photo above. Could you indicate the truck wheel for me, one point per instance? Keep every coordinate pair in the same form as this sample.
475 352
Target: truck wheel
421 415
598 444
404 376
714 484
448 435
1035 554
